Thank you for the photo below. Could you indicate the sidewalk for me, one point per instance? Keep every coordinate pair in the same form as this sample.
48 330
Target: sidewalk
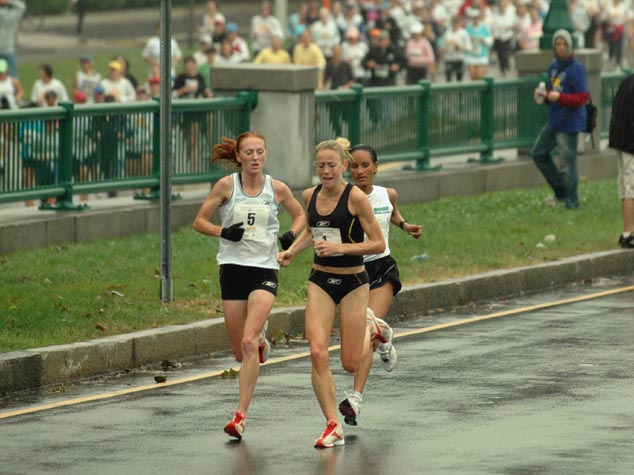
109 218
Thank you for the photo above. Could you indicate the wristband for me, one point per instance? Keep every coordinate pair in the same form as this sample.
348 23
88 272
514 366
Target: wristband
401 224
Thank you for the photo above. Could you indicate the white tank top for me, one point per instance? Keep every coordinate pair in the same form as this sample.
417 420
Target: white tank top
258 246
382 207
7 90
87 82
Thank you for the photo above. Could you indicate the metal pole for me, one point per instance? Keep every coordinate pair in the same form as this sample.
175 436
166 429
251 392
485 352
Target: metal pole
165 115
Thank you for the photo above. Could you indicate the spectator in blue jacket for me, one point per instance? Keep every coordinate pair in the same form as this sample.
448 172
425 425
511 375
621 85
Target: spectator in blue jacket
566 96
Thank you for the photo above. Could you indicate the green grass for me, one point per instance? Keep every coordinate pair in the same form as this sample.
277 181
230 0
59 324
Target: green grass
60 294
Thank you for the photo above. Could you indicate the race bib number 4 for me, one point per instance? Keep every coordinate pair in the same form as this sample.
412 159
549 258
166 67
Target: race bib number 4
255 218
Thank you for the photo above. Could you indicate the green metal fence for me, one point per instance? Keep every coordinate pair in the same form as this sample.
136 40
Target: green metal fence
62 151
432 120
609 85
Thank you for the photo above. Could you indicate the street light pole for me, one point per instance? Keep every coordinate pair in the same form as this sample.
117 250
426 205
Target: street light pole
558 17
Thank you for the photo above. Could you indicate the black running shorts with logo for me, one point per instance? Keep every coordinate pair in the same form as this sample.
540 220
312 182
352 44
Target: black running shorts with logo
382 271
337 286
237 282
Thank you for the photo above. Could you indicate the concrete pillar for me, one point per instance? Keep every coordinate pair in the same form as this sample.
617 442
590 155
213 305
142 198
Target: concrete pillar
284 115
534 63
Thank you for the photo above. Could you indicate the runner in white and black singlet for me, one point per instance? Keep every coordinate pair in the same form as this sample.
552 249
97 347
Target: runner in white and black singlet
338 214
385 281
248 204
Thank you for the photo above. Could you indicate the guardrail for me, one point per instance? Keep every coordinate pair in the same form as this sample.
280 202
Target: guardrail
430 120
63 151
59 152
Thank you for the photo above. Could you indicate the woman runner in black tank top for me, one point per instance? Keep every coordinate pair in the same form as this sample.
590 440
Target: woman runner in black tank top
338 215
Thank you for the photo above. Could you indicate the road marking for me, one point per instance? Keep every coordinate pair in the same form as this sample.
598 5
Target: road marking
218 373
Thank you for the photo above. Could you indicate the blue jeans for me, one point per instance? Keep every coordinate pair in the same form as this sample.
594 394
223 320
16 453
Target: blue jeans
562 180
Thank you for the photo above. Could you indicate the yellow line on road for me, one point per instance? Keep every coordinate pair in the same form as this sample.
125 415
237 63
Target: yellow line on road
508 313
215 374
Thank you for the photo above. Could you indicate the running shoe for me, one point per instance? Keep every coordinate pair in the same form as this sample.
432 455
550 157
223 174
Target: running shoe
388 357
350 408
235 427
332 436
264 348
386 350
626 242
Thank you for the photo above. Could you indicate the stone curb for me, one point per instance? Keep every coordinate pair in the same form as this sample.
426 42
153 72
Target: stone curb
30 369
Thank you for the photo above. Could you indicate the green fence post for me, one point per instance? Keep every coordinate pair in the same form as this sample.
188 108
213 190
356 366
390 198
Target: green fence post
155 191
355 117
422 132
487 111
65 163
250 99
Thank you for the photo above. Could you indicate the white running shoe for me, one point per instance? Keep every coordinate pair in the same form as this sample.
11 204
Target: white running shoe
332 436
264 348
386 350
350 408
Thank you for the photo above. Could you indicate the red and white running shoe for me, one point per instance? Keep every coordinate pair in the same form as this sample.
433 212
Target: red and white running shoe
235 427
332 436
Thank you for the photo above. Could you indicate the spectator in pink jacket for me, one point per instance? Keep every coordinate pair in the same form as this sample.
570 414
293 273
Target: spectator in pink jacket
419 54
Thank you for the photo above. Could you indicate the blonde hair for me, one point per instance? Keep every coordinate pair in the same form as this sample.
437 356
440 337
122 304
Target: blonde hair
341 145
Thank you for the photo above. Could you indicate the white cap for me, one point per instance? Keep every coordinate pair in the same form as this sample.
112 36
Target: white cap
417 27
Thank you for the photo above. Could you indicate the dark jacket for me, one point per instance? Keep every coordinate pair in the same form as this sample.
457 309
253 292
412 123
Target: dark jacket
382 75
622 120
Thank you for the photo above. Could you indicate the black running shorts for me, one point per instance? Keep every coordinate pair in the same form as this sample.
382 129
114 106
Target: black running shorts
237 282
382 271
337 286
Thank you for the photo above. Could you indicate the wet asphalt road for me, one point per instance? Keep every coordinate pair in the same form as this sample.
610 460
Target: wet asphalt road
541 392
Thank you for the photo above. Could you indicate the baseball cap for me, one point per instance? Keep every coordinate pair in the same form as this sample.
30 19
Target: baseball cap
116 65
299 30
80 97
155 80
219 18
99 89
205 38
231 27
4 66
85 57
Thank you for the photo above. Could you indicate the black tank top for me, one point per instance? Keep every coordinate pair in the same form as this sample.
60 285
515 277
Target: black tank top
340 219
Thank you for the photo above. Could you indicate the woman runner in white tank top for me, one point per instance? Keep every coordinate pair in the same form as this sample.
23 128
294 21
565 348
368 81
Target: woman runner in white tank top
382 270
248 203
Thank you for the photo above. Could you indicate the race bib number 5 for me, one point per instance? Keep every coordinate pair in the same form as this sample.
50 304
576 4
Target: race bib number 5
255 218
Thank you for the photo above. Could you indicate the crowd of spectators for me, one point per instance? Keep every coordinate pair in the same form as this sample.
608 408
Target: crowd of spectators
369 42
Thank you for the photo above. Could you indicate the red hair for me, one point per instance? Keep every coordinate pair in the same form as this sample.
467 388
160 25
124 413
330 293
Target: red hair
229 148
